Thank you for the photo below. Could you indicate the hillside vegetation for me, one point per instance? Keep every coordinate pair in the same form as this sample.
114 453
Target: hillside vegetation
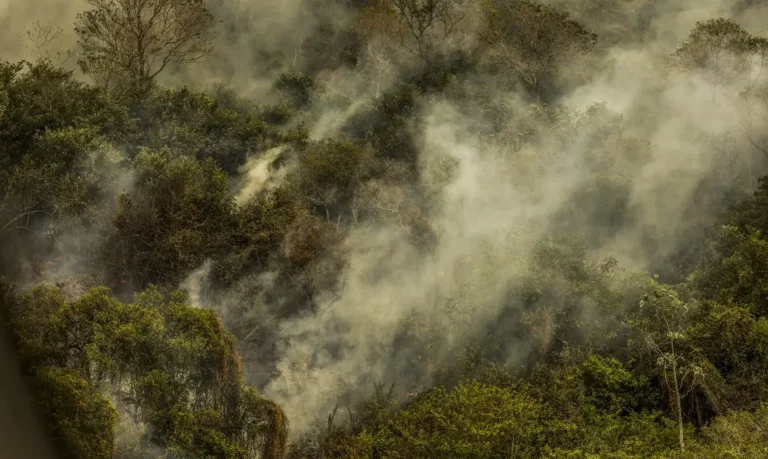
417 229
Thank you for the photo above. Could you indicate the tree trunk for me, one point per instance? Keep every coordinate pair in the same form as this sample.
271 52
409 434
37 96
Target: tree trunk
677 399
699 419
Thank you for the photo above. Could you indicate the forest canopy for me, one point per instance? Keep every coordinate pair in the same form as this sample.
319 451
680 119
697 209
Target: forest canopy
388 229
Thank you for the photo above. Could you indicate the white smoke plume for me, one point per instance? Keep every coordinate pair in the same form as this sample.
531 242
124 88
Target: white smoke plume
257 176
486 212
194 284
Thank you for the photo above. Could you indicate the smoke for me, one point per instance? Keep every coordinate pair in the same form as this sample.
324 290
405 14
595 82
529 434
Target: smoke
391 285
672 149
257 174
348 342
194 284
132 434
254 41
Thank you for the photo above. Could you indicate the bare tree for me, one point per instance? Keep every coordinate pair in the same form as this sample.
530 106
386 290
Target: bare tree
41 38
376 24
427 27
664 327
533 41
137 39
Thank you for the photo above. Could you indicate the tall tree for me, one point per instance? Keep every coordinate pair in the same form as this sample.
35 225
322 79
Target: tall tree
664 326
427 28
533 41
137 39
376 24
719 50
724 55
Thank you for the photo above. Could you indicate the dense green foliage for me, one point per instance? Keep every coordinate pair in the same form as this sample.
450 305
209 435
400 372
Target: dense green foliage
317 220
165 364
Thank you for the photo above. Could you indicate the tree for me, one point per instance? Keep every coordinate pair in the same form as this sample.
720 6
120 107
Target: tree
725 55
739 434
41 97
328 175
61 188
478 419
312 258
376 24
719 50
57 169
330 46
664 326
179 214
157 361
754 97
41 38
471 420
738 271
298 89
83 420
218 125
427 28
614 21
138 39
533 41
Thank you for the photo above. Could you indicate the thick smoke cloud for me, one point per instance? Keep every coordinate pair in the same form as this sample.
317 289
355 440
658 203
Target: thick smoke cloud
486 212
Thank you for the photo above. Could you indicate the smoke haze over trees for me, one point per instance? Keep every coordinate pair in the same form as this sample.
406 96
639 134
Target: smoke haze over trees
389 228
